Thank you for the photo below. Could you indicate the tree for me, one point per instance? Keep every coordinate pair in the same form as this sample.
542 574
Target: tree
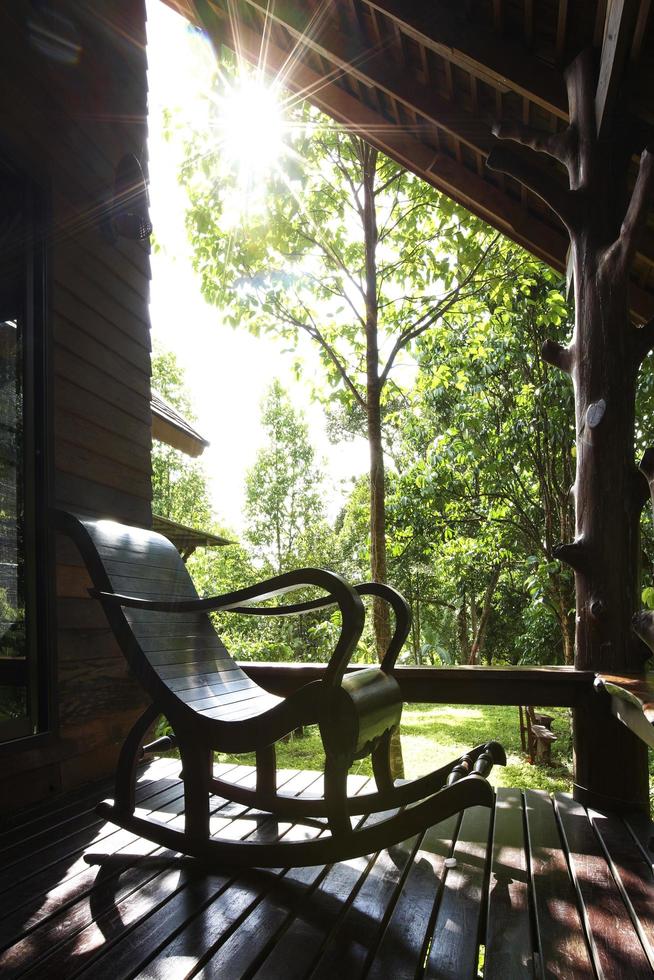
351 251
486 460
179 486
284 507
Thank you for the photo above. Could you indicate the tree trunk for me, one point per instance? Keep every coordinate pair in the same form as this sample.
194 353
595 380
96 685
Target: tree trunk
462 630
603 361
566 623
381 619
482 624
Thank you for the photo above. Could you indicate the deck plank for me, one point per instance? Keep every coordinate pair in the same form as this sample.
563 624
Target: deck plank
509 941
221 920
302 909
562 943
633 874
616 948
401 951
209 904
90 901
67 914
356 932
455 942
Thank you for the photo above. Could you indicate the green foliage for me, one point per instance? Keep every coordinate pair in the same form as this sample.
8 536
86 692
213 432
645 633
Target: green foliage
485 457
179 486
429 328
284 503
299 262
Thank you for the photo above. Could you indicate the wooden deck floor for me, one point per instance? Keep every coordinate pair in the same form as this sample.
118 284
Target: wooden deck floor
539 888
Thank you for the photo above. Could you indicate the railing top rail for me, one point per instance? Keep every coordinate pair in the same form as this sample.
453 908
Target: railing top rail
542 685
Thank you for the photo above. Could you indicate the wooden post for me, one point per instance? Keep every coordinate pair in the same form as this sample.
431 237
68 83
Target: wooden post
602 359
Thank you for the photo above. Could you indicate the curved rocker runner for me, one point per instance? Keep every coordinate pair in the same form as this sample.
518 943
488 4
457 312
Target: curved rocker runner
167 636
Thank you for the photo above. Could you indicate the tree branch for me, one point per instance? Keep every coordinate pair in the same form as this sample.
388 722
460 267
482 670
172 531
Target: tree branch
561 145
557 356
314 332
634 219
561 200
440 310
387 183
573 554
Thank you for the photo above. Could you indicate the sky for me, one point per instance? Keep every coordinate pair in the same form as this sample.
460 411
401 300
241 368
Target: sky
227 371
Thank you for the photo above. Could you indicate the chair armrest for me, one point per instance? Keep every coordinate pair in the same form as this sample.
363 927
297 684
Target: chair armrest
402 613
339 592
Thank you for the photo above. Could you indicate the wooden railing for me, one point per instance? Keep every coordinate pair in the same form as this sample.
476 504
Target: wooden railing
546 686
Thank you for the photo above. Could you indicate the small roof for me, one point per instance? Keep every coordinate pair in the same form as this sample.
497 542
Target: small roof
186 539
172 428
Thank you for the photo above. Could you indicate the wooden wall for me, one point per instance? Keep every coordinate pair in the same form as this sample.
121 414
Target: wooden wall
70 119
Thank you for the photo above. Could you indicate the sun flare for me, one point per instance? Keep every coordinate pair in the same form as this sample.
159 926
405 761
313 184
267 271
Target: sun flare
251 125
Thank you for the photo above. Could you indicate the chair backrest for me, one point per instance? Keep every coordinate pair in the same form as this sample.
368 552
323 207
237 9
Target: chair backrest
178 651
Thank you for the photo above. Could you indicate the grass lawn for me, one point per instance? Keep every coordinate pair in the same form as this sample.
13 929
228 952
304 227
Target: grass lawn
433 734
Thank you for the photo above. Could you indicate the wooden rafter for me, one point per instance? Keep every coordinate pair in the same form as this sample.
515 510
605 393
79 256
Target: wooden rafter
621 18
439 128
462 185
372 66
502 63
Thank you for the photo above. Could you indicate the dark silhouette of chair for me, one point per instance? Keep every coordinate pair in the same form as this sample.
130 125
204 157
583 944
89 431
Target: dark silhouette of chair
167 635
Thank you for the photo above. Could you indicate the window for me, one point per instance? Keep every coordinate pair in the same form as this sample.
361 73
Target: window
23 681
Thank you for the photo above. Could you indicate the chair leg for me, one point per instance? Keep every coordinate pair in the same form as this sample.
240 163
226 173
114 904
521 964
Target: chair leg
336 796
266 775
128 760
381 762
197 761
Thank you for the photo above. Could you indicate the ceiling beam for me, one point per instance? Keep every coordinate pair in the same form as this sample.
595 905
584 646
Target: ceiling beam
619 26
464 186
354 55
504 64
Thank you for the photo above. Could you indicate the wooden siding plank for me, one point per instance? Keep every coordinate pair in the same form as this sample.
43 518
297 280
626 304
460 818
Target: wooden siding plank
134 322
90 377
95 465
75 339
78 431
70 307
77 494
72 401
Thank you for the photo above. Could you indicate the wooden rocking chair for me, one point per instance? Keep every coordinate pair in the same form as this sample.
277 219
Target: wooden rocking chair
168 638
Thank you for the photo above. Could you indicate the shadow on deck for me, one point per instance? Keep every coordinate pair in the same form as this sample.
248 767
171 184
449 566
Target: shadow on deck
540 887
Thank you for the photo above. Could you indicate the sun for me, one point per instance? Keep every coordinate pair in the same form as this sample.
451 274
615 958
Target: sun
251 125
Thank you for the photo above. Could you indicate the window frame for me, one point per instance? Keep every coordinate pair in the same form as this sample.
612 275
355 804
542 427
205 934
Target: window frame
41 720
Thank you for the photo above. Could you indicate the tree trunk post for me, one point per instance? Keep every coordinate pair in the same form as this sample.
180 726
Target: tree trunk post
602 360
